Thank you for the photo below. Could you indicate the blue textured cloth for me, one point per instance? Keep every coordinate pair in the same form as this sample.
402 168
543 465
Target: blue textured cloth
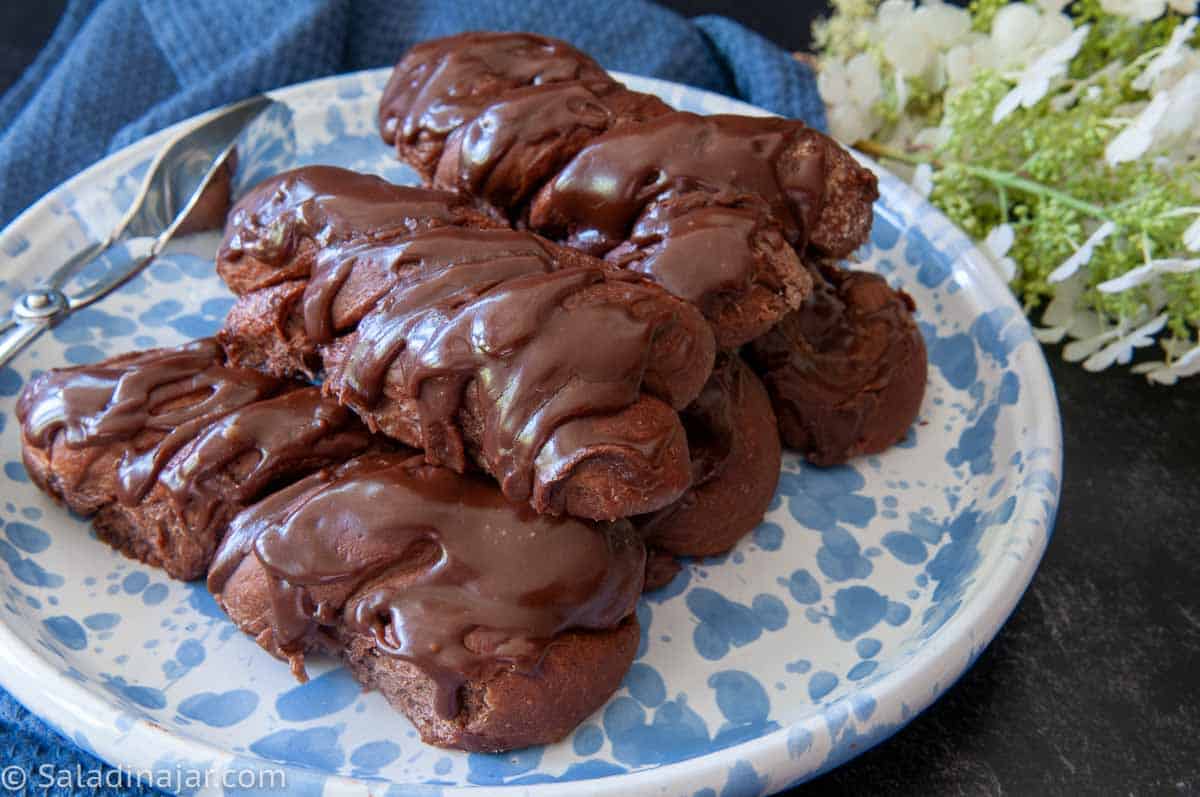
117 70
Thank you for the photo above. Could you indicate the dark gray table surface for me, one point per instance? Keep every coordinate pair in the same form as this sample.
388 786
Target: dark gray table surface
1093 686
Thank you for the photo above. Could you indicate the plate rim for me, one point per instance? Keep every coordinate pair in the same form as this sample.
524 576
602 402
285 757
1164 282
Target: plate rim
941 659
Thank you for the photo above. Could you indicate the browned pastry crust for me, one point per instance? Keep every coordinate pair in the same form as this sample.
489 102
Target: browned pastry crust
847 371
163 447
445 558
734 442
535 130
661 569
528 313
509 709
506 710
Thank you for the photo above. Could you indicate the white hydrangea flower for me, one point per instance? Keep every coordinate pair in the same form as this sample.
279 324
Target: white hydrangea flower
1121 350
1172 54
849 123
1083 255
922 179
850 91
913 37
1185 7
1186 365
1035 80
962 61
942 24
1077 350
865 82
996 245
1144 273
931 137
1063 314
1052 28
1191 236
892 12
1138 136
908 49
901 91
1050 334
1180 125
833 83
1013 30
1136 10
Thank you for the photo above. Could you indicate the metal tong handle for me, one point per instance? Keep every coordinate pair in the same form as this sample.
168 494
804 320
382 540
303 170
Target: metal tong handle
46 304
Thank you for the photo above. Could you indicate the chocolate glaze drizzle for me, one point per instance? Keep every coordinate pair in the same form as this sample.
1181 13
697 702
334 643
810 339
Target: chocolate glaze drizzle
604 188
521 118
281 433
182 416
520 140
489 311
436 566
447 81
330 205
172 393
696 253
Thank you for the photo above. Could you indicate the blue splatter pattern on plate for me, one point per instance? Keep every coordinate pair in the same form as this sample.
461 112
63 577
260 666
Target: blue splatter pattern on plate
863 595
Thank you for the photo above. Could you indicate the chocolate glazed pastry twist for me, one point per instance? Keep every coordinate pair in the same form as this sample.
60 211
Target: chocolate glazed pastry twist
734 444
445 83
490 626
276 231
701 204
560 376
847 371
163 447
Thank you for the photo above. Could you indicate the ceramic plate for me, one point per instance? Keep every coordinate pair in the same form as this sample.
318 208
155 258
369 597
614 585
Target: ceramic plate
864 594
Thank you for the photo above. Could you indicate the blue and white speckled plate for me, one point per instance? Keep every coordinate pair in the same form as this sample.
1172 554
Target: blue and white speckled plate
865 594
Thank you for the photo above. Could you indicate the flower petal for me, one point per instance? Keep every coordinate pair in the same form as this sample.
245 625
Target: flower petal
922 179
1144 273
1171 54
1083 255
1136 139
1000 240
1121 350
1191 236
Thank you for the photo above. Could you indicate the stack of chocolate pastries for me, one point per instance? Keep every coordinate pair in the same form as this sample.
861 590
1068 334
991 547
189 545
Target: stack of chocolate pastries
532 394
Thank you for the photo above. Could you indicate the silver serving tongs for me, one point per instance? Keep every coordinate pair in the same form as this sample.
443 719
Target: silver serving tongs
172 188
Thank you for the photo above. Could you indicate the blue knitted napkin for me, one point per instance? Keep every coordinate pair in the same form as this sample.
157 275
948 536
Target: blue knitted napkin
117 70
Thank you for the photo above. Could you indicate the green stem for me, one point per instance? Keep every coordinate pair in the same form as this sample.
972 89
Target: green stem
995 176
891 153
1009 180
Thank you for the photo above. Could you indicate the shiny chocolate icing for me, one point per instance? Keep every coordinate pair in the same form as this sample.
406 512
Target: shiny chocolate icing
846 372
436 566
488 316
181 416
277 434
443 83
696 251
520 140
330 205
172 393
491 163
598 196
